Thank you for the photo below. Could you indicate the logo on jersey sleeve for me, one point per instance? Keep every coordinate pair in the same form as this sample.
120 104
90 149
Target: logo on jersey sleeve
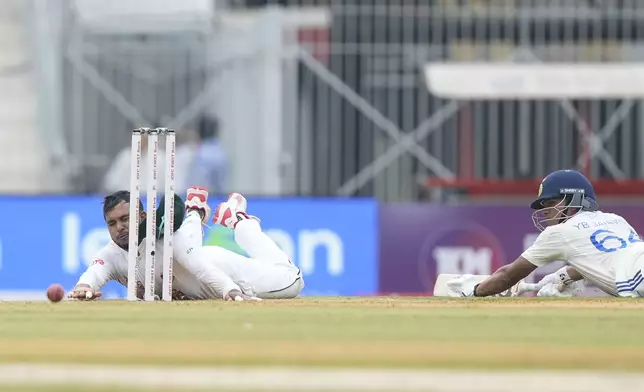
98 261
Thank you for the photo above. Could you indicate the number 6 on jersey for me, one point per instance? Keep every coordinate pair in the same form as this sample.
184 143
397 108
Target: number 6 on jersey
606 245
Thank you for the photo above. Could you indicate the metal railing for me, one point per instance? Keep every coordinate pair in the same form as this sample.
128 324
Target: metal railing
358 119
377 131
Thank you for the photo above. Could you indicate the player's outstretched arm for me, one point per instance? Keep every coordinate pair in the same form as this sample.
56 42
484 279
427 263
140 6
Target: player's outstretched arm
547 247
93 279
504 278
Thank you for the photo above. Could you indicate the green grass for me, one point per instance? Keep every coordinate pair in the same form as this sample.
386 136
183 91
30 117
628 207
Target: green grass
379 332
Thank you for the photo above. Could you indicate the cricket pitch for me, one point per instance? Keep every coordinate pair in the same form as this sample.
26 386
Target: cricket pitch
399 333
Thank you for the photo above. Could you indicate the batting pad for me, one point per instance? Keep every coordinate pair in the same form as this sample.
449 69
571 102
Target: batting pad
441 289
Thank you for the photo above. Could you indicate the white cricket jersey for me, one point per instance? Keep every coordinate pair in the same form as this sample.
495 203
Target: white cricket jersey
603 247
205 272
110 263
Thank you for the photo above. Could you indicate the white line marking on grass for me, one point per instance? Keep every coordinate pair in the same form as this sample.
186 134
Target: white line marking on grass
305 379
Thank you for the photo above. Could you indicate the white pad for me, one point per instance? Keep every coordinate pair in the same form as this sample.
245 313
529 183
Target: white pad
442 290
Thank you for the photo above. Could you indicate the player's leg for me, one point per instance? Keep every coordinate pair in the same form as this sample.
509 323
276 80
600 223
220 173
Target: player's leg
248 232
269 271
290 290
639 287
190 235
218 268
629 278
253 276
257 244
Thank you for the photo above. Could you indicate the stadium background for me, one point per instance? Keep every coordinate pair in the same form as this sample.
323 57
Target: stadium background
371 182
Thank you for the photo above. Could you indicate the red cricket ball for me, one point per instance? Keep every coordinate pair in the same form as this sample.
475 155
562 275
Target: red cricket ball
55 293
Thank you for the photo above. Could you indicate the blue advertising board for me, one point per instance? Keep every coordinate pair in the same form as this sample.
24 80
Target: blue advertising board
45 240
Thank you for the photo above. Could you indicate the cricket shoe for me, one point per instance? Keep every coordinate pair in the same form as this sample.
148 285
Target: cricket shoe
241 204
197 199
232 211
238 202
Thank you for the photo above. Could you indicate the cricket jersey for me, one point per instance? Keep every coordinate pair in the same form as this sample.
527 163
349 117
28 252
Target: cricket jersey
603 247
206 272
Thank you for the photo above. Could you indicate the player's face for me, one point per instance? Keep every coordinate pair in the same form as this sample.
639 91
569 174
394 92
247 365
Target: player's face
553 210
118 224
551 213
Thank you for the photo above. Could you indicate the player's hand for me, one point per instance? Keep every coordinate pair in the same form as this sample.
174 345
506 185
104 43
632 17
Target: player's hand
550 279
463 286
559 278
550 285
519 289
238 296
84 293
515 290
559 290
523 287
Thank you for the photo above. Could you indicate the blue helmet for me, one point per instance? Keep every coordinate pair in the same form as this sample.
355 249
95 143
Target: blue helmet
567 183
573 192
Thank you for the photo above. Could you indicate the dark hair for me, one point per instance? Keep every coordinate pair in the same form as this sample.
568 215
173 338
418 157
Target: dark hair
116 198
208 127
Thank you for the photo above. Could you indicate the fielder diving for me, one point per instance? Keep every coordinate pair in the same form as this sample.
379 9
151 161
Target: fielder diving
599 247
199 272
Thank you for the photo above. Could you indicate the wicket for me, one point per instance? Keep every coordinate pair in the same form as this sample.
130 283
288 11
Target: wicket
149 280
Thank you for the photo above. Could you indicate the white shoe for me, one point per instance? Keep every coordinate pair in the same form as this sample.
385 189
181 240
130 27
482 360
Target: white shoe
197 199
238 202
232 211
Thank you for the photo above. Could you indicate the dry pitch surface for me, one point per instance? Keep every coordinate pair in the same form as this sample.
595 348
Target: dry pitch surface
400 333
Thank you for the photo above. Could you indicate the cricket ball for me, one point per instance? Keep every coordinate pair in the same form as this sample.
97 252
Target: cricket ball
55 293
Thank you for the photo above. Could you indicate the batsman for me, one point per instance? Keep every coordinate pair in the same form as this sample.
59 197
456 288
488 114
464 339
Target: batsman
599 247
200 272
